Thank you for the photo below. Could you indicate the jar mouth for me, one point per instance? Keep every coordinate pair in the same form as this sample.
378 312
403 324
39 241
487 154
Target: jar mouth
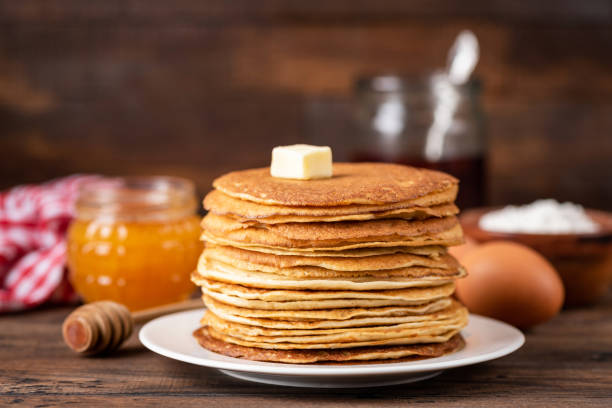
136 198
397 83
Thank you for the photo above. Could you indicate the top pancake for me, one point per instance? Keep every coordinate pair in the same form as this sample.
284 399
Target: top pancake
352 183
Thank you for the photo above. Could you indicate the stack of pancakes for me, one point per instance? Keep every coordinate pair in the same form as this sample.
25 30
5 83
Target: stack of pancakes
353 267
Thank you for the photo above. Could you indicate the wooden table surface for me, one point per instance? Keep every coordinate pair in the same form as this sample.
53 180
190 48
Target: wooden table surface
565 362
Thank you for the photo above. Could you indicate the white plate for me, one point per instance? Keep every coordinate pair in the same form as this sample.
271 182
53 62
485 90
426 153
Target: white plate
486 339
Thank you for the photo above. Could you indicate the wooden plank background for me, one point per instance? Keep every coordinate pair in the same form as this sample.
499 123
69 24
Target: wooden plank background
199 87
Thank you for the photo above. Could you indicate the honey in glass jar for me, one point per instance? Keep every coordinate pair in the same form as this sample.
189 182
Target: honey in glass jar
134 241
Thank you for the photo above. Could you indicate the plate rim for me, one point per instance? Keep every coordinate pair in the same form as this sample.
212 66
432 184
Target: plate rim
262 367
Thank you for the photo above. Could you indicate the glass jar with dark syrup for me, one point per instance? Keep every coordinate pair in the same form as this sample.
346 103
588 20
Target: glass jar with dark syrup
424 122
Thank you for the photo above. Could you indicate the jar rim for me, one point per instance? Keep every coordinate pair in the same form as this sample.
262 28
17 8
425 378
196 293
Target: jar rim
136 198
406 83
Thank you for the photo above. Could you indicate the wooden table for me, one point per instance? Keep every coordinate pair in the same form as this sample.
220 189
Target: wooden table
565 362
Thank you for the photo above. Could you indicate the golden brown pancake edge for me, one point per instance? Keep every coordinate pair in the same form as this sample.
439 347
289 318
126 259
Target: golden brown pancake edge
382 354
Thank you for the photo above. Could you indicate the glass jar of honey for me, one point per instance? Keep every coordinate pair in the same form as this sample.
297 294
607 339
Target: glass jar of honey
134 241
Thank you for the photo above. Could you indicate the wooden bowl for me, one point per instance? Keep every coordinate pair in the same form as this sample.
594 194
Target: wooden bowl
583 261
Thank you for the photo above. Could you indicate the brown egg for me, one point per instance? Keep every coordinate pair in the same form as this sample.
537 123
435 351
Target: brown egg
510 282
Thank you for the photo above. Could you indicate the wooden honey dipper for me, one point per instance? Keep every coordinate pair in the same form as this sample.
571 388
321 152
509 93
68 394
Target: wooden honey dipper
101 327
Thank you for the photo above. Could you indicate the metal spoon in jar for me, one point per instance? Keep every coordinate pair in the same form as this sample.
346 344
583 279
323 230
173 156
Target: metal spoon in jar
461 61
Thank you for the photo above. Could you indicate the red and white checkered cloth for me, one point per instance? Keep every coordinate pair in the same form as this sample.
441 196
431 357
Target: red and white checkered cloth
33 224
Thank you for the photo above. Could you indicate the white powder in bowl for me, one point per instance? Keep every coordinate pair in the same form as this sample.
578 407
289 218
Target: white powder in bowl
540 217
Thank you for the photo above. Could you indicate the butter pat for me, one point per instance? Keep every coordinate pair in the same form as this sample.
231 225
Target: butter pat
302 162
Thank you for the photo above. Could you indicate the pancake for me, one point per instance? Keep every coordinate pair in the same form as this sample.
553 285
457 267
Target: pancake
380 353
432 335
307 304
341 314
252 260
225 273
334 236
267 295
352 183
348 231
251 298
220 204
432 251
315 272
452 318
282 320
455 320
415 213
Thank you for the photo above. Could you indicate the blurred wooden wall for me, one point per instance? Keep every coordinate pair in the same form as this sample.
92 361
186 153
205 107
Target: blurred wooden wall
199 87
